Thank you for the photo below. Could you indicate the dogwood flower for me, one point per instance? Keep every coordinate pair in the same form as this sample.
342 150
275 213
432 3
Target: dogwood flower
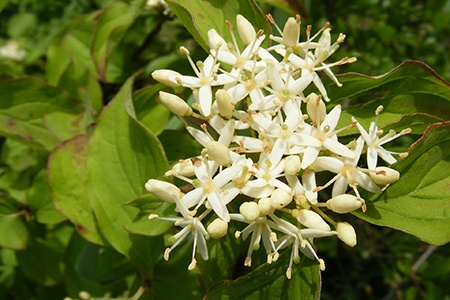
375 143
191 226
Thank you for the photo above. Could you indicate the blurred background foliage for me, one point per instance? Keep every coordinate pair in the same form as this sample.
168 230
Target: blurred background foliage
386 264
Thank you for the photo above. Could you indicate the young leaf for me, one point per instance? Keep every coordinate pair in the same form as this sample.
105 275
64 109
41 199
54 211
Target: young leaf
14 232
152 114
109 31
67 180
23 106
123 154
418 202
199 16
412 90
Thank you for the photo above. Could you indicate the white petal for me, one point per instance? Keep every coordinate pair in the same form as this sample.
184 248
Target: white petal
226 175
340 186
332 118
372 158
226 134
218 206
237 92
386 156
309 182
190 81
205 99
331 164
199 135
193 197
366 182
310 155
338 148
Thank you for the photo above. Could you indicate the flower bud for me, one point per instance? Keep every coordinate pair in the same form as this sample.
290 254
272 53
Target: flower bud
280 198
346 233
245 29
325 43
292 165
291 32
215 40
184 168
250 211
316 108
218 152
265 207
166 77
217 229
384 175
175 104
163 190
310 219
344 203
224 103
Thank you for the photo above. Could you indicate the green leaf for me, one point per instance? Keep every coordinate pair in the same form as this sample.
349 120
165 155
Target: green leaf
67 180
418 202
179 145
225 260
152 114
42 262
148 204
269 282
102 265
412 90
13 231
199 16
123 155
70 48
41 202
109 31
23 105
20 24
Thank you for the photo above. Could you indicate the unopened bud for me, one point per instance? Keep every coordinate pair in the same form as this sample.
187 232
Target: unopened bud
218 152
175 104
316 108
310 219
265 207
163 190
384 175
245 29
292 165
344 203
166 77
250 211
217 229
224 103
184 168
215 40
280 198
346 233
325 42
291 32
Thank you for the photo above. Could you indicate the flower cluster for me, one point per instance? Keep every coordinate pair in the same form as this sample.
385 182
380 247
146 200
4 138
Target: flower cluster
264 144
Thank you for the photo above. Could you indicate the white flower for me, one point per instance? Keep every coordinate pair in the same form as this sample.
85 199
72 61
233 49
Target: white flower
324 132
191 225
209 186
298 239
13 51
260 230
348 173
206 77
375 143
288 139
